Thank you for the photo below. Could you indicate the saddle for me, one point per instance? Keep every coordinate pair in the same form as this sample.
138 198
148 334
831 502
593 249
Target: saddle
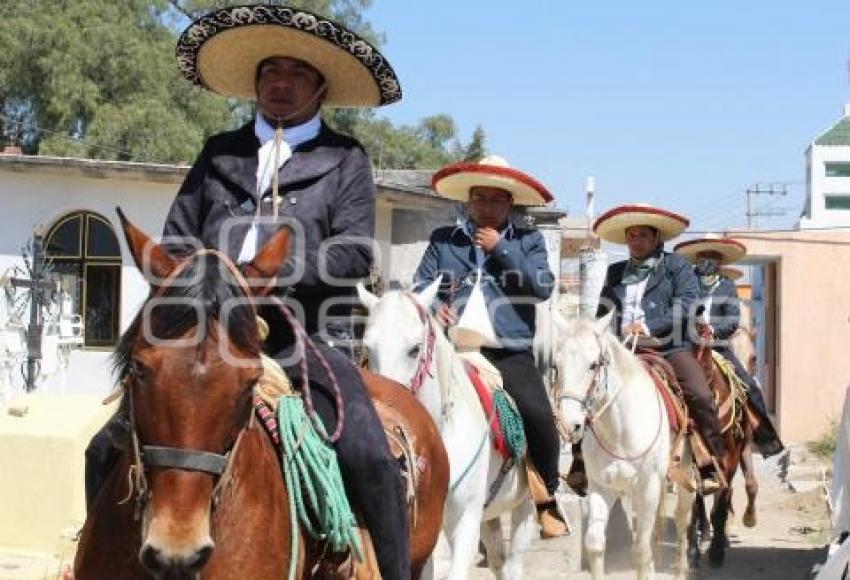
681 424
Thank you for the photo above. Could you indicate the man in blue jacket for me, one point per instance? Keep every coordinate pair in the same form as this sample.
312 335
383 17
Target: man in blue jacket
512 267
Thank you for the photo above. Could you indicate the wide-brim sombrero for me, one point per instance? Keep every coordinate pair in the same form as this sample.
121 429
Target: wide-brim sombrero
455 181
729 250
221 51
611 225
732 273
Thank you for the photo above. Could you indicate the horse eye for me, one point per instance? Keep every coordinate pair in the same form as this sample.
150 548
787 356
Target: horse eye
414 351
594 365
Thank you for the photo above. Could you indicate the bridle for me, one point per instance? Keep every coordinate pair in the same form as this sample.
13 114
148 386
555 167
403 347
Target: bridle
598 386
426 356
591 399
218 465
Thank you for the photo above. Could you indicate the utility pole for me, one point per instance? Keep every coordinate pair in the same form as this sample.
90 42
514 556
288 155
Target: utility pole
592 261
770 189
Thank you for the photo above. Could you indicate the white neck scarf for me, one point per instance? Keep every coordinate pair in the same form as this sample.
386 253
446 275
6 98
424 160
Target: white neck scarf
267 168
292 138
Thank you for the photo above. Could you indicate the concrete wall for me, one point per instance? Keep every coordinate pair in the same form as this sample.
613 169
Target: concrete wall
812 332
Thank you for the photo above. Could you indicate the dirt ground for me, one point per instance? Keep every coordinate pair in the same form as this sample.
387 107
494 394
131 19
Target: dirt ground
792 530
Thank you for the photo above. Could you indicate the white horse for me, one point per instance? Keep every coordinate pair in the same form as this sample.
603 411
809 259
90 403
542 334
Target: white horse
406 344
609 402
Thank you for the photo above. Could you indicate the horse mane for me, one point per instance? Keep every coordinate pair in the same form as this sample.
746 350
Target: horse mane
620 356
625 360
212 287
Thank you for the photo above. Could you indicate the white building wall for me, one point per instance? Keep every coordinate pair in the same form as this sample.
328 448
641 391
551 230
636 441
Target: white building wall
33 200
819 186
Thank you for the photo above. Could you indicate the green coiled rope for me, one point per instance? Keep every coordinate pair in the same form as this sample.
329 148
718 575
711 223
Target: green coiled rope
313 482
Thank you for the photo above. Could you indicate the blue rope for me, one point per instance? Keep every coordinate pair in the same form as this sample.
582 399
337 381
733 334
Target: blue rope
468 468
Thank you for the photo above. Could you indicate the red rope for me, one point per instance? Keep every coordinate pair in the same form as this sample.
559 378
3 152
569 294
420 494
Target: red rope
647 450
302 339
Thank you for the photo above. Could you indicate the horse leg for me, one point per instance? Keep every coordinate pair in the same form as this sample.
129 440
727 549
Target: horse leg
719 539
523 531
685 530
599 504
463 522
494 545
694 531
751 483
703 524
646 502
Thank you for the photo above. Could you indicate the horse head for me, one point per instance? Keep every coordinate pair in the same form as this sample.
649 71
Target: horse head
188 363
400 336
397 331
582 362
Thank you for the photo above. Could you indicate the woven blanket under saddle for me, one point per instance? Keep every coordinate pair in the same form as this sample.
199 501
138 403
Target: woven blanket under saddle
505 421
664 377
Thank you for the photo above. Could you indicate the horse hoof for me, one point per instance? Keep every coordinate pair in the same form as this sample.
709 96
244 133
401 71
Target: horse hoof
749 520
716 557
694 560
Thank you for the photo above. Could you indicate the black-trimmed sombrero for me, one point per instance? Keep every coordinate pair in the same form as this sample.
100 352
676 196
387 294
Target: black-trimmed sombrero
454 181
729 250
611 225
221 51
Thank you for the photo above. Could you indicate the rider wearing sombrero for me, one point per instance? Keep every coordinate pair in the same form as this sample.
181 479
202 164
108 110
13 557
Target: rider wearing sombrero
719 317
510 263
287 167
652 294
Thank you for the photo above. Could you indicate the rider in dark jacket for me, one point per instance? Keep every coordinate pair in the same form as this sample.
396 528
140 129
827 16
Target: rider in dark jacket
719 316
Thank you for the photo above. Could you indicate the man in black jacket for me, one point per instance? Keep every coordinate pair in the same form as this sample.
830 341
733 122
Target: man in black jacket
288 168
719 316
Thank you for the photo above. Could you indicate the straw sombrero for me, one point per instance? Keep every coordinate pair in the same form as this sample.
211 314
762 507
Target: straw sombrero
731 273
729 250
221 51
611 226
455 181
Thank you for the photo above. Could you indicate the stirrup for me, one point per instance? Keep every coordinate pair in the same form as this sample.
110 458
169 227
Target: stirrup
553 522
709 486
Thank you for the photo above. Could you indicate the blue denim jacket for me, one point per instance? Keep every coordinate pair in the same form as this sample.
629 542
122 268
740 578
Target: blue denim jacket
515 276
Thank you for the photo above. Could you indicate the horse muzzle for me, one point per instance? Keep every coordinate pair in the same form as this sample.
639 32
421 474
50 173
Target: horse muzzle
166 566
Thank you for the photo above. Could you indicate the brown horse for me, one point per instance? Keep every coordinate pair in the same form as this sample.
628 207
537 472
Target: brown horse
737 436
200 494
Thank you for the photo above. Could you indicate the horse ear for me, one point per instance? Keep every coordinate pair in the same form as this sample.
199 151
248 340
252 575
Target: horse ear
152 260
262 271
368 299
602 325
427 296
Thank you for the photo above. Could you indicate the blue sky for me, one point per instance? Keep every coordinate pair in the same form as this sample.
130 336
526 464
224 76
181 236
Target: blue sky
680 104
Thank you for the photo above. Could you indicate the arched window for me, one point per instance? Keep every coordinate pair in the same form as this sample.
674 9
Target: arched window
83 249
